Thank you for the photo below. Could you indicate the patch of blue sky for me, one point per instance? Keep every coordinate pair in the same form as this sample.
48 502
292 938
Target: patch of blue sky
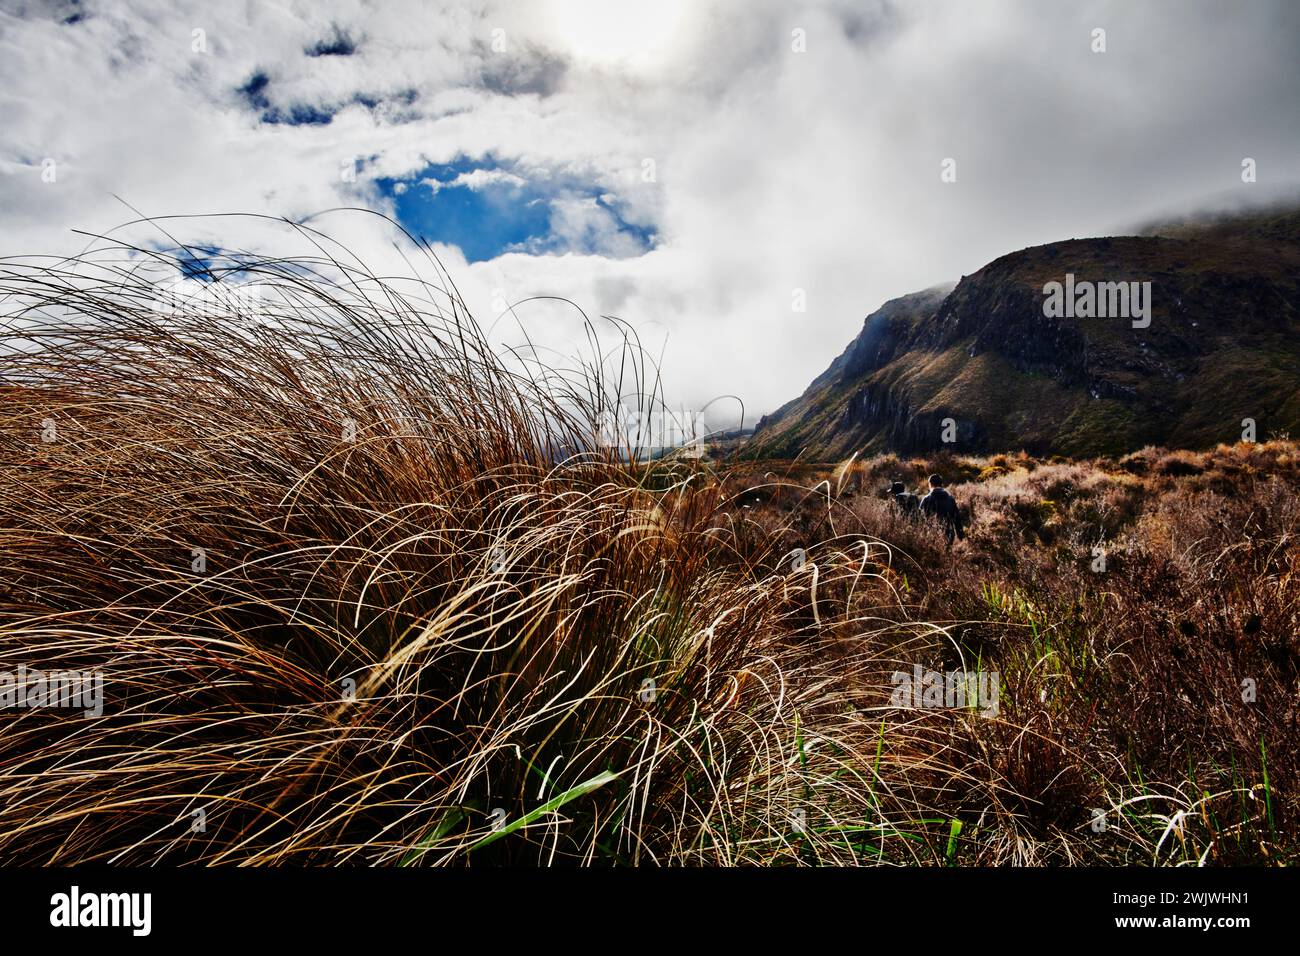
488 208
207 263
339 44
196 262
254 92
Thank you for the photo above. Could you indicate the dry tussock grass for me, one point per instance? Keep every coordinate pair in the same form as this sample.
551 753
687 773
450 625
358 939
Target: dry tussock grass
363 590
1143 616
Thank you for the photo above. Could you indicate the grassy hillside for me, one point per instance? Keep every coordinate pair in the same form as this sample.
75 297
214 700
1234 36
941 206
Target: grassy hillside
1134 608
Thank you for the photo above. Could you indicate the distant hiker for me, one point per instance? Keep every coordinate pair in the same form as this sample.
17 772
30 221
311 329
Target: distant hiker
906 502
940 504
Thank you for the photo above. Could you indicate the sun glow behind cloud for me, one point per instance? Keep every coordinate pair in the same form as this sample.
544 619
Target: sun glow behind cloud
632 35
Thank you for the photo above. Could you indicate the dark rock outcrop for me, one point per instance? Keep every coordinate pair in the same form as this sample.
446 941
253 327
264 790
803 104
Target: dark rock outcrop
983 365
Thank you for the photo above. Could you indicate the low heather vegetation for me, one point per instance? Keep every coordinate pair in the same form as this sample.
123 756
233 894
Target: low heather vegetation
1144 617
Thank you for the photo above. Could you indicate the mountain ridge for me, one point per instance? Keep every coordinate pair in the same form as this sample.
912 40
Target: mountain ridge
979 363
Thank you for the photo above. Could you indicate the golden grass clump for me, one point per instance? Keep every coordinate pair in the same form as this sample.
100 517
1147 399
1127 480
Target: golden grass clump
362 590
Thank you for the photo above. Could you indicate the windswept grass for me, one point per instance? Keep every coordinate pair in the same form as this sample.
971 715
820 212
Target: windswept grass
363 590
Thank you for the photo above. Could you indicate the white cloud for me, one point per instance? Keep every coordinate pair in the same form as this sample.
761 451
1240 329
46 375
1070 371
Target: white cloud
773 170
477 179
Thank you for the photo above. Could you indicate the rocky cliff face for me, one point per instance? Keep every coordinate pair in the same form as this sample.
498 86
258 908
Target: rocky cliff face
979 367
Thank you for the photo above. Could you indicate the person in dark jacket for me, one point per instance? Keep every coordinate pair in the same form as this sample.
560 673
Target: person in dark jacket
942 505
907 503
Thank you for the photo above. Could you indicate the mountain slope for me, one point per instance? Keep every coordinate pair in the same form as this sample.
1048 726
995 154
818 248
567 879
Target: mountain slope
1223 344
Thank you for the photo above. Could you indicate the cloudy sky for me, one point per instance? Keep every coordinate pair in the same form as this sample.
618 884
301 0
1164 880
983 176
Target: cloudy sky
696 167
